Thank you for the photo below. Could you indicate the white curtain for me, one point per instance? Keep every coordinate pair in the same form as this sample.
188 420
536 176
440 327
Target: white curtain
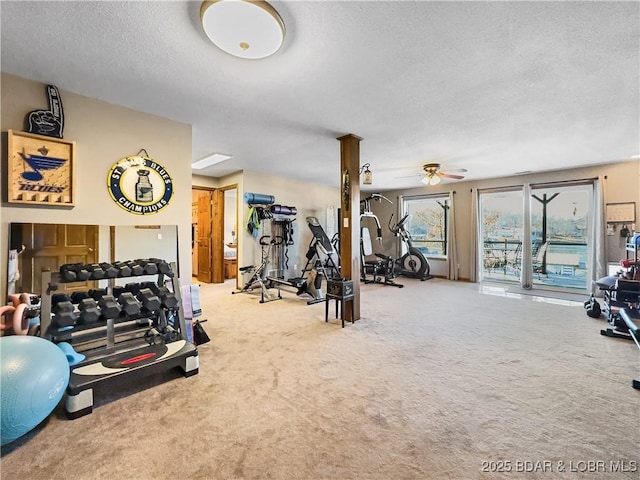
599 255
526 268
475 232
453 242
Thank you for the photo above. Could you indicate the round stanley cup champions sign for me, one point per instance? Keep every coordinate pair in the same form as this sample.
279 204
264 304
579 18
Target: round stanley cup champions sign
140 185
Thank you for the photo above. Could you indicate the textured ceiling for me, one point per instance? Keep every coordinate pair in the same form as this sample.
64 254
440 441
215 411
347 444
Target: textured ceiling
493 87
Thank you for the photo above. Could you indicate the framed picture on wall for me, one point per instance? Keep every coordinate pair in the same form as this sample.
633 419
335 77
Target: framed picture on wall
40 169
621 212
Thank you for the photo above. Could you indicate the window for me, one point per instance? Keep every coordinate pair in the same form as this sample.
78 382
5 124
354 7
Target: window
427 223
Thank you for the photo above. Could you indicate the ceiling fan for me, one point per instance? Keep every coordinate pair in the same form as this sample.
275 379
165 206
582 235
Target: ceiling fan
434 175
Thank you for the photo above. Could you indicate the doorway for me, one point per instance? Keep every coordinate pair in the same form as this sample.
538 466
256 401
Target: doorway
214 240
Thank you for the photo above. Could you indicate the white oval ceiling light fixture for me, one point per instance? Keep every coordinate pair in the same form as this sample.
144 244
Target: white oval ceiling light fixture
243 28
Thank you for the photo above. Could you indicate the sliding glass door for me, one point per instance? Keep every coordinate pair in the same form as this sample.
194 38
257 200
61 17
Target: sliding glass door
557 222
501 231
561 235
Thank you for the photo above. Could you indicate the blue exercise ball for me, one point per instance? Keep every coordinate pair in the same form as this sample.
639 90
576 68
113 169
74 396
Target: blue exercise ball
34 374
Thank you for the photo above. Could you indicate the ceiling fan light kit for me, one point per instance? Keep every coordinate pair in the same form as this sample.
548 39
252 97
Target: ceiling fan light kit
431 180
243 28
434 175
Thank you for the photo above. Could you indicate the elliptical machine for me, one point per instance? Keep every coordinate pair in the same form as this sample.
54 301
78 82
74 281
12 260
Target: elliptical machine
412 264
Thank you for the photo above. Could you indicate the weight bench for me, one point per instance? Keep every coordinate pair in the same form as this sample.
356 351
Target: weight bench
623 294
631 318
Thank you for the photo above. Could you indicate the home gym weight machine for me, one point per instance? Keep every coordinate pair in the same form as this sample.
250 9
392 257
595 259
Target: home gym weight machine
320 265
381 270
274 253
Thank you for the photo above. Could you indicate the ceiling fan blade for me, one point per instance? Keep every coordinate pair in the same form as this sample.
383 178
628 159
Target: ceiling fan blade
448 175
456 170
411 176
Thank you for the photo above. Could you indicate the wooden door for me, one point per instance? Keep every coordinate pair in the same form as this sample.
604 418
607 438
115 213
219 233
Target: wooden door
204 238
48 246
194 239
217 237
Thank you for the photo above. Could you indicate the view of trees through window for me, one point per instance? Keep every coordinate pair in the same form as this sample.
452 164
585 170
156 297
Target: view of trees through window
428 223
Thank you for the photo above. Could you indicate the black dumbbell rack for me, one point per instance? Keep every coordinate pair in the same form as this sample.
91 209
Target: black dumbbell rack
119 348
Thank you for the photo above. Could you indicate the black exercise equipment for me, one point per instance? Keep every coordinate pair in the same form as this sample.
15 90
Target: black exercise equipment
76 297
319 261
63 314
96 272
60 297
129 305
124 270
413 263
257 279
163 266
109 308
134 267
381 270
322 248
74 272
109 270
283 210
97 293
631 317
111 333
133 287
623 294
199 334
149 300
89 312
621 308
167 298
366 212
149 267
593 308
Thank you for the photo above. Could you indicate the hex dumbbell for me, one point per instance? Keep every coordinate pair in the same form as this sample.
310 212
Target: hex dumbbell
97 293
77 297
63 314
136 269
89 312
149 267
149 300
96 271
74 272
124 269
168 299
163 266
109 308
129 305
109 270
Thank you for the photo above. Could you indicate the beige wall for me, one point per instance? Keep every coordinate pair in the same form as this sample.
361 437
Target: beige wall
104 133
310 200
622 185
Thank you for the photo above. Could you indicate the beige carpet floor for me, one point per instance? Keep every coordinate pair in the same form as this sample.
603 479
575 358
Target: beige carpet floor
435 381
